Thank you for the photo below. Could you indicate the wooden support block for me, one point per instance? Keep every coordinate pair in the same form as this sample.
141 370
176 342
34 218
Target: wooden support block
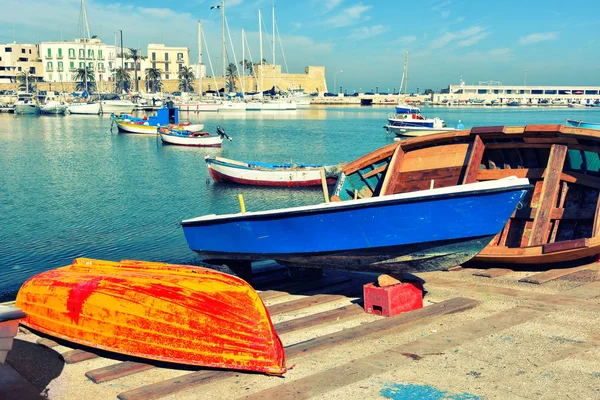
477 148
386 280
493 272
24 330
394 324
75 356
549 275
49 343
565 245
116 371
548 196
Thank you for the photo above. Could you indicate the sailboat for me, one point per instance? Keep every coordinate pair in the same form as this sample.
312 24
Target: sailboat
85 107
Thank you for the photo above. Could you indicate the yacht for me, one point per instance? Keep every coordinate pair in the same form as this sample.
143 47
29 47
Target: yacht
26 104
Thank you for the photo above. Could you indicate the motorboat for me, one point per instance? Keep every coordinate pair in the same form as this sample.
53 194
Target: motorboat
54 107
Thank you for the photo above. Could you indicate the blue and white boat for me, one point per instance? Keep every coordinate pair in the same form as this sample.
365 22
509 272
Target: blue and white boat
581 124
417 231
407 121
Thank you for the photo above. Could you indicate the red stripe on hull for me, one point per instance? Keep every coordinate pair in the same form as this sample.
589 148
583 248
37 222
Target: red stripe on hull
192 145
219 177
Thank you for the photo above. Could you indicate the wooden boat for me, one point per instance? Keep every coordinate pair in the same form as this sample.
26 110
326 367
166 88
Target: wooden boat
186 138
419 231
581 124
558 222
9 326
174 313
267 174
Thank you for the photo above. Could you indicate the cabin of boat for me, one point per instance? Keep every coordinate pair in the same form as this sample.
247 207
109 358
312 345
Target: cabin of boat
559 220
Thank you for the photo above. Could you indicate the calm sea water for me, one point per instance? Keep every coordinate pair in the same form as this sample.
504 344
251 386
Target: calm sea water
69 187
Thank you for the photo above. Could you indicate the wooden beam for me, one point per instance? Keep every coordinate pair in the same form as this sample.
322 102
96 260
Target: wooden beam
493 272
548 196
581 179
49 343
565 245
370 158
309 301
116 371
552 274
309 321
392 176
596 227
75 356
477 148
493 174
377 170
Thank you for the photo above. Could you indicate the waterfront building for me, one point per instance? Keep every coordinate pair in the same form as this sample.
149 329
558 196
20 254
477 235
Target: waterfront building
62 59
170 60
494 92
16 58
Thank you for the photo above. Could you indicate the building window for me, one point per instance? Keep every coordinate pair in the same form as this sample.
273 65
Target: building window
99 53
29 51
23 51
60 66
72 65
180 67
49 65
154 65
167 76
81 65
8 49
49 52
91 65
166 56
167 67
90 53
59 53
110 66
153 57
481 91
32 70
81 53
71 53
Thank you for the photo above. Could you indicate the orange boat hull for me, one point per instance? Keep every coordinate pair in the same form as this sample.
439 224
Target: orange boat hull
174 313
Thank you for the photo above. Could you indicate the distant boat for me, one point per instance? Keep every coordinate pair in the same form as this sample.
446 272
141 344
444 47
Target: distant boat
408 121
174 313
197 139
267 174
53 107
91 108
513 104
26 104
419 231
577 105
581 124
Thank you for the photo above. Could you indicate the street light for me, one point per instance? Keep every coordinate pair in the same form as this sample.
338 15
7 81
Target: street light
335 78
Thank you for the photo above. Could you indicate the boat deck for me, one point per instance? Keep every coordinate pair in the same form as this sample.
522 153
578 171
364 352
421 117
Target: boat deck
492 333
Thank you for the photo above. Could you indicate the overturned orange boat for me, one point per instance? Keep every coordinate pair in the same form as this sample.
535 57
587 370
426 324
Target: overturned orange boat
174 313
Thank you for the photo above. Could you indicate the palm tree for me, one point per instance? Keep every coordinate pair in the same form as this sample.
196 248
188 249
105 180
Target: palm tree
26 82
186 79
85 80
136 56
248 66
153 76
264 62
122 80
231 76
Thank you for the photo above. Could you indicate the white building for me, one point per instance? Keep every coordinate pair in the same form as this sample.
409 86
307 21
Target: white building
62 59
16 58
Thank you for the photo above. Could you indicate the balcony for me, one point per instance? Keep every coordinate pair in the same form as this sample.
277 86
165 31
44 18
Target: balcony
60 69
72 56
60 56
180 60
49 69
100 57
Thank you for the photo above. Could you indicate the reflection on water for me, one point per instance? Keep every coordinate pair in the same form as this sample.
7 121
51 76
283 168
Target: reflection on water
71 188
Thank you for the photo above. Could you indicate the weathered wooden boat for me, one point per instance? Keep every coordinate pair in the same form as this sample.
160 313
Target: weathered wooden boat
558 222
9 326
182 137
419 231
173 313
267 174
581 124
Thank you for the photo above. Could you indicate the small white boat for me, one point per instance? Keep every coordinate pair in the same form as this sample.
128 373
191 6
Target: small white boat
26 104
53 107
117 106
411 125
235 106
84 108
197 139
577 105
189 127
9 326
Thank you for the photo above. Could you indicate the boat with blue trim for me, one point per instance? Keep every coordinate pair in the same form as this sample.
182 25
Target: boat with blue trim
407 121
581 124
268 174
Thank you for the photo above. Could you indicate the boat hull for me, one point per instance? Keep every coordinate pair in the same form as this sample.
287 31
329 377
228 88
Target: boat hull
27 109
128 127
222 170
415 131
196 141
417 231
581 124
174 313
117 106
85 108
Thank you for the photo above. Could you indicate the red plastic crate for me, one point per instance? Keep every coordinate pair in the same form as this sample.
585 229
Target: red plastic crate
392 300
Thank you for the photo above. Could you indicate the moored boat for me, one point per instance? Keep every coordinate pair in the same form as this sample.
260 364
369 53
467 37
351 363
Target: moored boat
174 313
407 121
419 231
268 174
557 223
581 124
90 108
53 107
198 139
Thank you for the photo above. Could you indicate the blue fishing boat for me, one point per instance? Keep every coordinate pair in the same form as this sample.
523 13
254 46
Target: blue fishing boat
417 231
581 124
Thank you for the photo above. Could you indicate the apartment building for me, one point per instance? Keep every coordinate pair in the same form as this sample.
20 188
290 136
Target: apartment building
16 58
170 60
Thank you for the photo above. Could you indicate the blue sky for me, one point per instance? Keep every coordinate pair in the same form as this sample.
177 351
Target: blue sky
555 42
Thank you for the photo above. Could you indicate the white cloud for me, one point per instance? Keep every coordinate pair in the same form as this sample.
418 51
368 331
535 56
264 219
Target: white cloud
464 38
441 5
328 5
349 16
536 38
403 40
445 14
472 40
367 32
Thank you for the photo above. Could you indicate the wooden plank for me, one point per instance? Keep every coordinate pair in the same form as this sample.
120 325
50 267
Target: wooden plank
565 245
49 343
309 321
303 287
549 275
486 129
493 272
376 171
309 301
372 157
493 174
550 140
547 128
580 179
378 364
116 371
477 148
24 330
456 268
561 204
398 323
75 356
393 172
549 195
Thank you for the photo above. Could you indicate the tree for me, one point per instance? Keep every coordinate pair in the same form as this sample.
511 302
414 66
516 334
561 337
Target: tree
186 79
136 56
153 79
85 79
248 66
122 80
26 82
231 77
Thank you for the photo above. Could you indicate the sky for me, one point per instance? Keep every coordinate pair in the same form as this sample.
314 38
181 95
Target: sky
514 42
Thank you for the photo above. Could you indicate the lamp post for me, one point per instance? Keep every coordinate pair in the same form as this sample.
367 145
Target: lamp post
335 78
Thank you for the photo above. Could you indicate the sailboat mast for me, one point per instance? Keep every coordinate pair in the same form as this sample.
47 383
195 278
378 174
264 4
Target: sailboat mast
84 28
200 58
261 54
243 62
273 41
223 51
406 83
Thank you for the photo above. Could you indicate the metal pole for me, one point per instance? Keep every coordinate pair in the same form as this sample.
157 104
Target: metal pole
122 55
200 58
262 86
223 51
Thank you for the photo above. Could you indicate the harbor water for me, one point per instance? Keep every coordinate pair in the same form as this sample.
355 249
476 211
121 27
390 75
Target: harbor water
69 187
